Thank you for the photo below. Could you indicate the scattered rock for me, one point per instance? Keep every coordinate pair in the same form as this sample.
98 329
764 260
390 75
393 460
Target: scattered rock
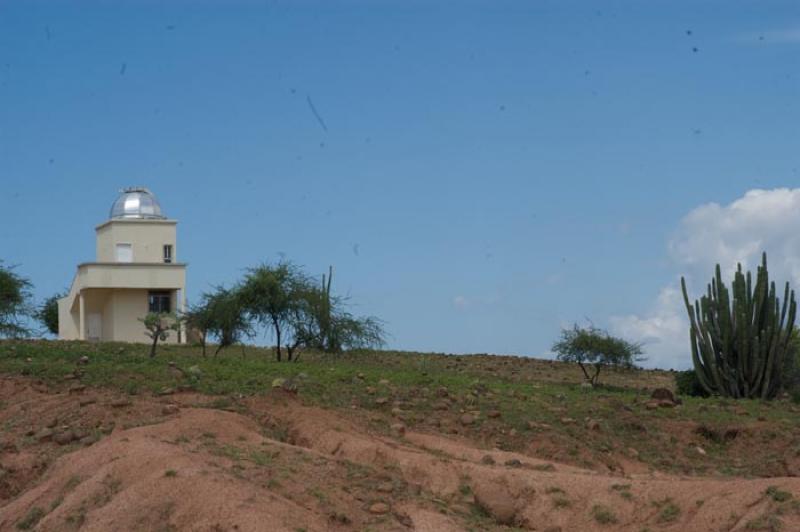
86 402
651 405
495 500
441 405
45 434
52 423
77 388
121 402
533 425
398 428
64 438
513 463
663 394
383 382
360 376
493 414
633 453
385 487
380 401
166 391
379 508
83 360
666 404
487 459
404 519
278 382
442 391
466 420
567 421
593 425
170 409
370 390
700 450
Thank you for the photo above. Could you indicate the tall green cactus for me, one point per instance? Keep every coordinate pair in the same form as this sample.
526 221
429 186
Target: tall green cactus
739 345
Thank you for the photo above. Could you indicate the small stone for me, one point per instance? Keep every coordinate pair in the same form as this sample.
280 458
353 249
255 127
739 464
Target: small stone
567 421
651 405
383 382
170 409
380 401
385 487
666 404
83 360
77 388
513 463
64 438
700 450
487 459
45 435
360 376
399 428
533 425
397 412
278 382
379 508
441 405
633 453
370 390
442 391
593 425
52 423
466 420
166 391
493 414
86 402
121 402
663 394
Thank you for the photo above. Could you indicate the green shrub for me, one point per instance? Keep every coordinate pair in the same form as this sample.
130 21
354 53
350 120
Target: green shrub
687 383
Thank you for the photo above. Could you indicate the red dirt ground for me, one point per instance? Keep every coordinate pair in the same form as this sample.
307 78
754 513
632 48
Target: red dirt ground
271 463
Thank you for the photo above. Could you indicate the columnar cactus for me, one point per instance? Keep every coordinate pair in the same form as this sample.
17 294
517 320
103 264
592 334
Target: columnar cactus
739 345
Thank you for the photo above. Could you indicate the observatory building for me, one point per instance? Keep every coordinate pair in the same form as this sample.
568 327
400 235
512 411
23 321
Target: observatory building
136 271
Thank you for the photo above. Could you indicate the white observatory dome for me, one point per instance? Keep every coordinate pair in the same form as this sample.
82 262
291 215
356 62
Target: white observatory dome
136 203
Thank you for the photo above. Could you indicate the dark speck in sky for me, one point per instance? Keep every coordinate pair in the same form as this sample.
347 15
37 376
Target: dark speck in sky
51 160
316 114
355 249
321 144
697 131
688 32
695 49
170 27
502 107
123 68
293 91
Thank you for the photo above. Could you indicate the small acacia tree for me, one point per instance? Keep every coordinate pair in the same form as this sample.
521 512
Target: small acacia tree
228 321
274 297
15 306
590 346
47 313
158 326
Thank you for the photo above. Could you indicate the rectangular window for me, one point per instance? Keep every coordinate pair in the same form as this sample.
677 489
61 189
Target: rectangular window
159 301
124 253
167 253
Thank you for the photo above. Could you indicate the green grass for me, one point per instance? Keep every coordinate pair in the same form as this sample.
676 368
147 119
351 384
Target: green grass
31 519
778 495
603 514
528 393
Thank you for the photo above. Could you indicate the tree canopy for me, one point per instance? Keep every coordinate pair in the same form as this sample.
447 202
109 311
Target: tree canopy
595 347
15 303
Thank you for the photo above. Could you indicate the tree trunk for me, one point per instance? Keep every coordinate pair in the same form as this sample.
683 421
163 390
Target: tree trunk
277 339
153 346
585 373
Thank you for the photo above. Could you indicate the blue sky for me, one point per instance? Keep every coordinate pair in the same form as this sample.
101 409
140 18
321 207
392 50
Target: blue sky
487 171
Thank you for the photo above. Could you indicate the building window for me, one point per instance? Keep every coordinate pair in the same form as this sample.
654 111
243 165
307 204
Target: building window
159 301
167 253
124 253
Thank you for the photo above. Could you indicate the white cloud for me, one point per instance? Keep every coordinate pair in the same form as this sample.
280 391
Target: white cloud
460 302
761 220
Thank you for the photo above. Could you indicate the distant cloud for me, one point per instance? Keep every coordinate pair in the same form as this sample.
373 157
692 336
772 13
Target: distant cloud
460 302
761 220
775 36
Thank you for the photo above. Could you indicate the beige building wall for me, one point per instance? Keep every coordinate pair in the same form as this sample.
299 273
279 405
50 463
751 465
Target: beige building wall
147 239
